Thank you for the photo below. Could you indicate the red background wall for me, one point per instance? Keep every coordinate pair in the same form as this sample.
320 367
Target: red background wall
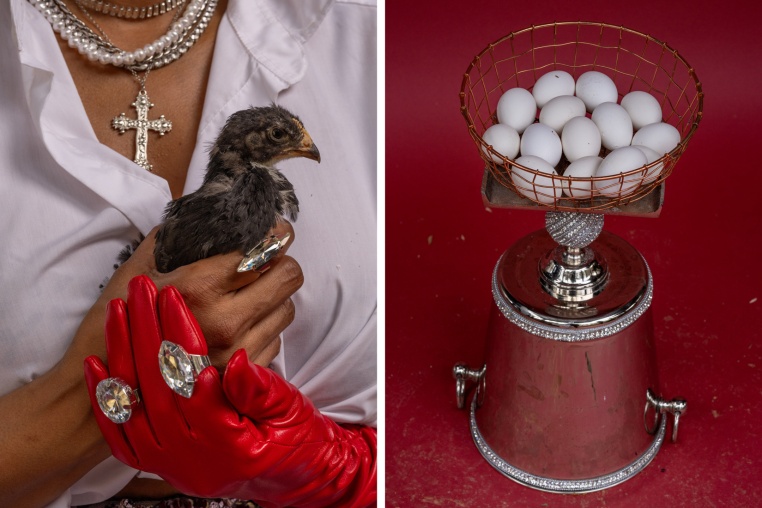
704 251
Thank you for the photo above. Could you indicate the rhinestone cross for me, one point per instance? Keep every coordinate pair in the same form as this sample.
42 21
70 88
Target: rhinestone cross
142 124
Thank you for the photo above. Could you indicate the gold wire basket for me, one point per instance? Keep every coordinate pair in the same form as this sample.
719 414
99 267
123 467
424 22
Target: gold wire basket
633 60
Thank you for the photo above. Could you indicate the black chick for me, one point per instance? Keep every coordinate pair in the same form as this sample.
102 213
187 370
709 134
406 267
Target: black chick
243 195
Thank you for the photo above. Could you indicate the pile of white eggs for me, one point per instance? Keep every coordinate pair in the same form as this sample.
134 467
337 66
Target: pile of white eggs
631 134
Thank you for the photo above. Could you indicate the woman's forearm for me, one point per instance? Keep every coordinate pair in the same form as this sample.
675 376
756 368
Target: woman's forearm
48 436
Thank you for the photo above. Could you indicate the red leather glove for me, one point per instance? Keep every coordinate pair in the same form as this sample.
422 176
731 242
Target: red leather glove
251 436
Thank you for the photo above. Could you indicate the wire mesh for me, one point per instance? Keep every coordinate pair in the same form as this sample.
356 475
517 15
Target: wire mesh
633 60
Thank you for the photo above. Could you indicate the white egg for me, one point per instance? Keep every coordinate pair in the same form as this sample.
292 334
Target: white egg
537 187
517 108
642 107
660 137
560 110
595 88
651 155
541 141
552 84
620 161
580 138
614 123
583 168
504 140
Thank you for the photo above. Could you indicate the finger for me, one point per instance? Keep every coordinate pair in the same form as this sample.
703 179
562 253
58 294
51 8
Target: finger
143 254
118 346
157 397
284 227
178 323
221 272
180 326
237 279
283 230
260 394
137 429
207 411
266 356
228 319
95 372
270 292
261 255
260 337
140 261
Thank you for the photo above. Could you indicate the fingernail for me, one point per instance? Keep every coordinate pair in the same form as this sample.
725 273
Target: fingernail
259 257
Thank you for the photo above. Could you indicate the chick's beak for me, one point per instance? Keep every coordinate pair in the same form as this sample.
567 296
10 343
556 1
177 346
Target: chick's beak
307 148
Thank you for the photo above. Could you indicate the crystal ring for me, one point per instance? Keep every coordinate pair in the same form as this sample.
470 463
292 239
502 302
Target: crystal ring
259 258
180 368
116 399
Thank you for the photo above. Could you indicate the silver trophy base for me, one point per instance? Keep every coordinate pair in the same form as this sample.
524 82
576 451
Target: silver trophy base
565 401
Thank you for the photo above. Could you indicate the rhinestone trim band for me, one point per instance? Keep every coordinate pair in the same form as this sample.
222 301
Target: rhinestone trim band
569 334
564 486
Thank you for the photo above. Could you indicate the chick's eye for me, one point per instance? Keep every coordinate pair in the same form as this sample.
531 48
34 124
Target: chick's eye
277 134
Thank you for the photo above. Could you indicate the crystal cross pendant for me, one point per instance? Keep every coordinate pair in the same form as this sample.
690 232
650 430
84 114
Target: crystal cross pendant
142 124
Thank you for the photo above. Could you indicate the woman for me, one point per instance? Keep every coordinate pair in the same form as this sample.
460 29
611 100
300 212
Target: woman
73 198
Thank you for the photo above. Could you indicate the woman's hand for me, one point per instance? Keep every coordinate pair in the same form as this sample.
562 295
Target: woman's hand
233 312
48 437
251 435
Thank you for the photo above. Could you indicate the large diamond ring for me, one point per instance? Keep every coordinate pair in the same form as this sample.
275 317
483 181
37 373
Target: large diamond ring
259 257
179 368
116 399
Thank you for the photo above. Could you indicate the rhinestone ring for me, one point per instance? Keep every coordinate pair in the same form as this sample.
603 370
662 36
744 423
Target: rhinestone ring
259 257
179 368
116 399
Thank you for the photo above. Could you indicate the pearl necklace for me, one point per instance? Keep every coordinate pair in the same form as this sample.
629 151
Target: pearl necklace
121 11
180 37
182 34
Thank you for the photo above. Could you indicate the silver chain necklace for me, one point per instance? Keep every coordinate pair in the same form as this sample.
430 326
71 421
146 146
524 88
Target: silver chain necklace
129 12
183 33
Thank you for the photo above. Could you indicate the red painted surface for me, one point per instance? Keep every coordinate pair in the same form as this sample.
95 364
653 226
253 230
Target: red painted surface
704 252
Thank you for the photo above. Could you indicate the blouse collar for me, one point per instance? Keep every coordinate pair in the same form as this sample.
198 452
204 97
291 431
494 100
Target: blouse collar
274 32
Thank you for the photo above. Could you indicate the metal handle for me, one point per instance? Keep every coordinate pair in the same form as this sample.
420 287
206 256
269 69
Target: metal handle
463 374
676 406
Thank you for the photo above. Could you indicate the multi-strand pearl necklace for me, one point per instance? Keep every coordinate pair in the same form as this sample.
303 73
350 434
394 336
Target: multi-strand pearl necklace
181 36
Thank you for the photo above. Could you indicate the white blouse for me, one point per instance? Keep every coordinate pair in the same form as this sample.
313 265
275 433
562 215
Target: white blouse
69 203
